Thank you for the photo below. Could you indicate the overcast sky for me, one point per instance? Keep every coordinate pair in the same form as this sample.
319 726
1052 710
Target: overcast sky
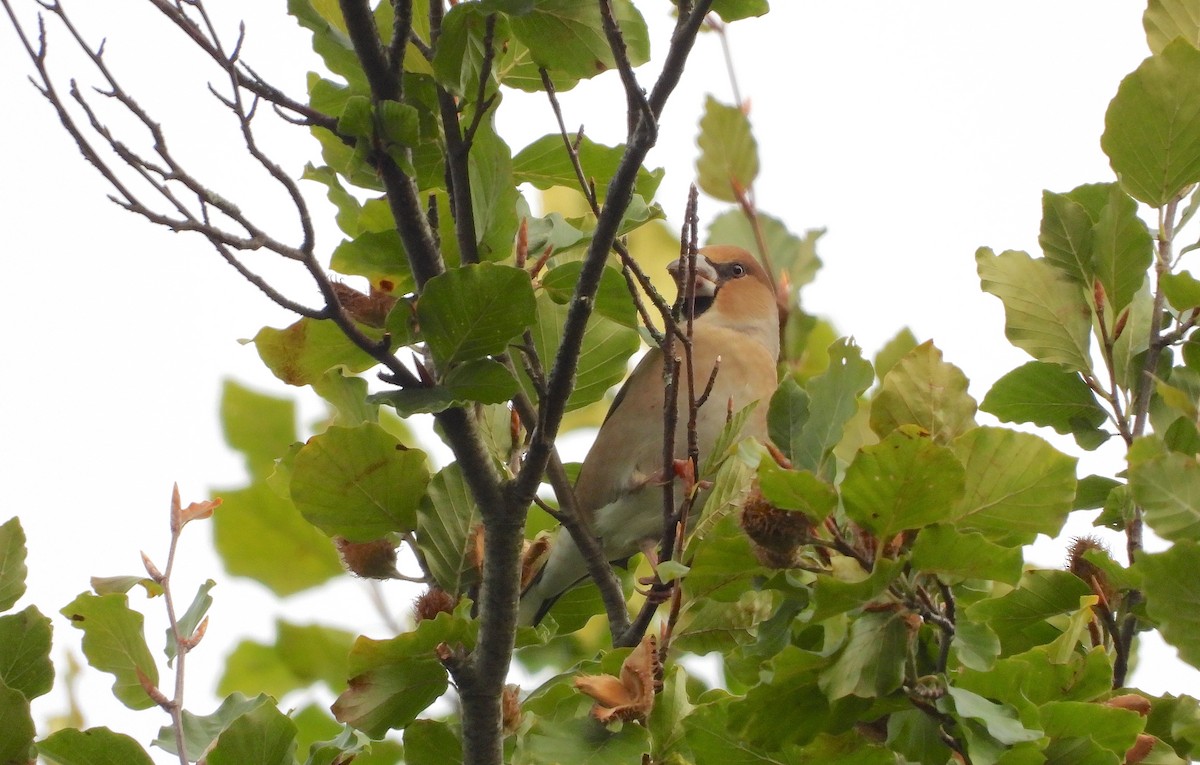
914 132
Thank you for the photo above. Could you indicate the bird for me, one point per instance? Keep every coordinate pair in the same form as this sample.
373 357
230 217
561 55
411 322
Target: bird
619 487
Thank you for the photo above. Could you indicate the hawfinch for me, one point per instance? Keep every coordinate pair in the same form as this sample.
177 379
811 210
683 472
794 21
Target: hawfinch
619 486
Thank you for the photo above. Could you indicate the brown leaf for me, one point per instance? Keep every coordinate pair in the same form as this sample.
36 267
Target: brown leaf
198 511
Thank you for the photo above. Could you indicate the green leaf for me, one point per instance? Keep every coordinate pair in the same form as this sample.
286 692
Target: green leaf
917 737
377 255
330 40
262 535
200 731
431 742
606 349
975 645
1092 491
1017 485
944 550
872 662
1033 677
25 653
12 563
734 10
355 118
262 736
1047 395
315 653
1001 720
190 619
728 162
347 394
493 196
461 52
1171 581
1019 618
834 595
303 352
789 254
94 746
787 415
1182 290
904 482
474 311
17 724
925 391
1066 235
796 490
259 426
567 37
1112 728
583 741
359 483
903 343
446 517
1123 249
551 231
1176 720
613 300
722 562
349 211
1133 342
1152 126
1167 487
545 163
392 681
714 625
481 381
1045 312
789 682
832 401
113 642
253 666
1164 20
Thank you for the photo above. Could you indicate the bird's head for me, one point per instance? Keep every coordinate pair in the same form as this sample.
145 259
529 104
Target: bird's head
734 291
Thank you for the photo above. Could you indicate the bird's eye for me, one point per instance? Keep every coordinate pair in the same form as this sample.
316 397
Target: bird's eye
738 270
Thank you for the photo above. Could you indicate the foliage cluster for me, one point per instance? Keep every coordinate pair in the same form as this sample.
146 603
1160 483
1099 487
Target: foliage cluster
862 586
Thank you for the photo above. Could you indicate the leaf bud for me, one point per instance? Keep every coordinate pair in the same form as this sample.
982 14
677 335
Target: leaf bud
152 569
1122 320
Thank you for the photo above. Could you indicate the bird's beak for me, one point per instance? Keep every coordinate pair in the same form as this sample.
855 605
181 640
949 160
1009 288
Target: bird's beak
706 275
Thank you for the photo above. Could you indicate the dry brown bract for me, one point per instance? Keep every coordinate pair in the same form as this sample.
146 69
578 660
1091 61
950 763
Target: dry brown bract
631 696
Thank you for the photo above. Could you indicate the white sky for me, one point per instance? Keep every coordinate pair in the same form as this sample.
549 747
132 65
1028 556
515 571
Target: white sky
915 132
